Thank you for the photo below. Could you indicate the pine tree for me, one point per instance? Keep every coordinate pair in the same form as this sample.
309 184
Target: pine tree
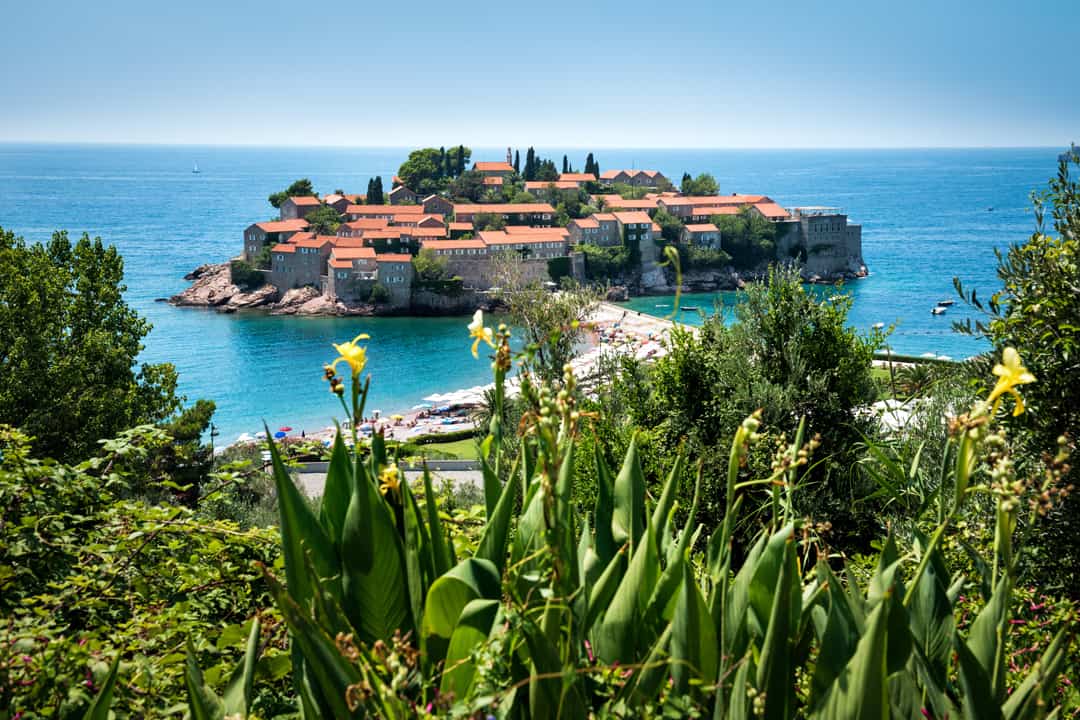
375 194
370 190
686 186
440 170
448 171
565 166
517 162
589 166
530 164
460 159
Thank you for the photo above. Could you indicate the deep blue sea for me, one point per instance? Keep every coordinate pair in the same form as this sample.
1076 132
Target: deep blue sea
925 214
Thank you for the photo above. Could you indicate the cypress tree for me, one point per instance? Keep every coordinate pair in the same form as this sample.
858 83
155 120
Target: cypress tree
565 166
517 162
370 190
460 159
589 167
439 171
447 170
375 195
530 164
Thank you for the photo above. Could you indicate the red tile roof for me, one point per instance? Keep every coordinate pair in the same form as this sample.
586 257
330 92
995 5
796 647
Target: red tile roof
578 177
453 244
705 210
554 232
366 223
340 264
392 210
498 237
702 227
427 232
283 225
464 226
603 217
585 222
633 217
502 208
393 257
618 202
284 248
610 174
493 167
557 184
353 253
305 200
771 210
315 241
493 181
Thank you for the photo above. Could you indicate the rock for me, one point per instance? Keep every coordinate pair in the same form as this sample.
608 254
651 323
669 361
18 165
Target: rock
213 287
617 293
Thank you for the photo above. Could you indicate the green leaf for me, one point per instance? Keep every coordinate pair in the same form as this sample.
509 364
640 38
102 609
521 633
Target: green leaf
338 490
605 508
1035 693
238 693
300 531
694 647
471 579
860 692
374 580
620 631
203 704
492 489
419 565
628 517
838 637
440 549
775 674
100 708
604 590
667 497
979 702
473 628
493 542
987 637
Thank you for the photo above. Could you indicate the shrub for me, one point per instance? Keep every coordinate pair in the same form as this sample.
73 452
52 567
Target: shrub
244 276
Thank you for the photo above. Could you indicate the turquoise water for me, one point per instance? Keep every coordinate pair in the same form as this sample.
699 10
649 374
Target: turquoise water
924 216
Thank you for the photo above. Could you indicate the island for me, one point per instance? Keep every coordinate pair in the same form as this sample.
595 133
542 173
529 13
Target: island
434 243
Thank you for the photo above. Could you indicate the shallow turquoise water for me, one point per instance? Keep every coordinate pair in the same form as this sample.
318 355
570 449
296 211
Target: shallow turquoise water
924 216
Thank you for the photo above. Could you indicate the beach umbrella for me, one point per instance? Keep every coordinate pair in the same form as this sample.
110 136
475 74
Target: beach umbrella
397 417
261 435
285 429
279 434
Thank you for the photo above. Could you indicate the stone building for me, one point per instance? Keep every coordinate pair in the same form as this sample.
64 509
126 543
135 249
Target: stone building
535 214
259 235
402 195
395 273
704 235
823 240
301 261
298 207
351 274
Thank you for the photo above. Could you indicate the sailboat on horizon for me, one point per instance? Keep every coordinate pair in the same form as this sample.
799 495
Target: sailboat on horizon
195 170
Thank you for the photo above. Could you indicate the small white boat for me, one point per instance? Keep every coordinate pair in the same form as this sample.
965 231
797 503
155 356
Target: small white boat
939 310
195 170
662 305
945 303
689 308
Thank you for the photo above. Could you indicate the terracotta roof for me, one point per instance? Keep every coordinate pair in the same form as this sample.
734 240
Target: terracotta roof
589 222
643 204
714 200
433 232
284 248
557 184
353 253
530 230
384 210
385 233
498 237
656 228
603 217
461 226
393 257
633 217
704 210
493 167
366 223
702 227
315 241
610 174
401 189
578 177
297 237
771 210
340 264
502 208
346 242
305 200
492 180
453 244
332 198
283 225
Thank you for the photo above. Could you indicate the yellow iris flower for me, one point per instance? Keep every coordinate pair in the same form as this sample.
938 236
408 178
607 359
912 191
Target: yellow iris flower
479 332
352 354
389 479
1010 373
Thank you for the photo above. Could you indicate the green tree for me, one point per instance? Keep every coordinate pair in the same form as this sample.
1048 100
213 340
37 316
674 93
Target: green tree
69 344
703 184
323 221
546 171
671 227
429 266
375 191
300 188
1037 311
379 294
530 165
463 154
565 166
469 185
488 221
421 171
749 238
440 166
517 162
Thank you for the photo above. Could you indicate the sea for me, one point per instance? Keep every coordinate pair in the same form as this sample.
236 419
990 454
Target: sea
928 215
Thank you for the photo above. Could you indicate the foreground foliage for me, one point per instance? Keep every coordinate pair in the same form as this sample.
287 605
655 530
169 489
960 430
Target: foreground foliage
612 613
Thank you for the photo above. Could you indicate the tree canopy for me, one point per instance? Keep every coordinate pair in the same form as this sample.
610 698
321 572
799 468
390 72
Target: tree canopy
426 170
323 221
703 184
69 344
300 188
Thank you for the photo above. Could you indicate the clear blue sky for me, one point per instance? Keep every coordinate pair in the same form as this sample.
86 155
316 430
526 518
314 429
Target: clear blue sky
589 73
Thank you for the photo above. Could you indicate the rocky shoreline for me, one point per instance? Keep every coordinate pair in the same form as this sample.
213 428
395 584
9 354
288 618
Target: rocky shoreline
212 288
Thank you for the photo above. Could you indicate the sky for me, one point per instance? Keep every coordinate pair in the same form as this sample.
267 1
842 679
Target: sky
589 73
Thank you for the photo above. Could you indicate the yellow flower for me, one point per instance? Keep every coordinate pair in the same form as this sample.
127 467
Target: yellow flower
353 354
479 332
389 479
1010 374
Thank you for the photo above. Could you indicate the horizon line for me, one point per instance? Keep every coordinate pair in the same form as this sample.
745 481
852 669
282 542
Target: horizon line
586 148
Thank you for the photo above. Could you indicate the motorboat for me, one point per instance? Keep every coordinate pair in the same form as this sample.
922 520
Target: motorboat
938 310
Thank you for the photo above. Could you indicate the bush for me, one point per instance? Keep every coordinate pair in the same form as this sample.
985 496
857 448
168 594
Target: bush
379 294
559 268
244 276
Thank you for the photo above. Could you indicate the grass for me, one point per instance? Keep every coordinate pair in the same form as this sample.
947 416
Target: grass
457 449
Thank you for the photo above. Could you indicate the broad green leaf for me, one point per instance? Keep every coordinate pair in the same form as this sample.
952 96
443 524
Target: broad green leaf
766 574
987 637
775 675
473 628
694 646
647 681
338 490
1035 693
667 498
239 691
300 532
628 517
419 565
492 489
440 550
101 706
203 704
374 577
860 692
604 590
979 702
471 579
497 530
838 637
620 630
605 508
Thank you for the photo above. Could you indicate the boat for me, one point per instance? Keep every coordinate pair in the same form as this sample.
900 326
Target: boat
945 303
662 305
195 170
990 209
689 308
939 310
